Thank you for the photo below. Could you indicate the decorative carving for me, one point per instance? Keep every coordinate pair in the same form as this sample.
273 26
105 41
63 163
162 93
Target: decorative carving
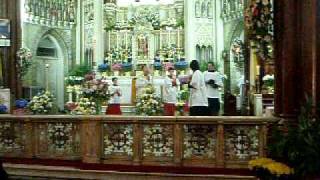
118 139
158 140
50 13
200 141
11 137
241 142
232 9
59 138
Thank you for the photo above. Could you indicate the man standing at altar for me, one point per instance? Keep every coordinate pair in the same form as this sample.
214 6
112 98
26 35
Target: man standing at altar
171 87
114 104
213 83
145 79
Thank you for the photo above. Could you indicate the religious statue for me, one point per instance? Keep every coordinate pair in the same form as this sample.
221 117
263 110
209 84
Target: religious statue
142 46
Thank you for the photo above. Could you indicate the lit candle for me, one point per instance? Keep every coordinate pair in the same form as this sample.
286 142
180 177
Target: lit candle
160 46
258 70
169 38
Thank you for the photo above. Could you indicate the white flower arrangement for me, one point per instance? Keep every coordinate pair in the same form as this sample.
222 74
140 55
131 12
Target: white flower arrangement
84 107
42 103
148 103
268 80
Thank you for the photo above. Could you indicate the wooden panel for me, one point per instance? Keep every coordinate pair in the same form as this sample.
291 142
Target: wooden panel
136 140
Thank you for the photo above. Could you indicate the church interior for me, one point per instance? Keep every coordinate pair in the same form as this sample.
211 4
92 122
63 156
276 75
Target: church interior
159 89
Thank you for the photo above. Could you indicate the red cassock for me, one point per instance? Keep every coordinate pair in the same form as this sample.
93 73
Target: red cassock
169 109
113 109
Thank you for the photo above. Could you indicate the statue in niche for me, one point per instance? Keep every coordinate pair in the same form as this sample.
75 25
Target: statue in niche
197 9
142 46
203 10
209 10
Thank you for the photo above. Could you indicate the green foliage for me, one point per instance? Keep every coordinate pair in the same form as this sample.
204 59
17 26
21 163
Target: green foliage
299 144
80 70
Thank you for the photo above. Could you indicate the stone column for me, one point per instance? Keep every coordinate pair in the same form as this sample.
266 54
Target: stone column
79 29
98 42
189 30
218 33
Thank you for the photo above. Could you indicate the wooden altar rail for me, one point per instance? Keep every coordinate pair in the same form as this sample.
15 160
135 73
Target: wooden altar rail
224 142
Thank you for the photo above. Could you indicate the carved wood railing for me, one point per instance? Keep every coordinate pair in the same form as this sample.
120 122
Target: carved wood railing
179 141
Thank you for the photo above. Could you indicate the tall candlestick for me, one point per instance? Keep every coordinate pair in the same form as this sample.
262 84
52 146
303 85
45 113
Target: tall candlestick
117 41
258 70
169 38
126 40
47 79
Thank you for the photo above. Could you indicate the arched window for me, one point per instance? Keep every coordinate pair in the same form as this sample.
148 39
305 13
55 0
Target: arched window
47 48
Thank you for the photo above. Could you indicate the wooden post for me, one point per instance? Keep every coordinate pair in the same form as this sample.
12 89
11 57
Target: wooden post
137 144
91 141
30 141
263 140
178 144
220 145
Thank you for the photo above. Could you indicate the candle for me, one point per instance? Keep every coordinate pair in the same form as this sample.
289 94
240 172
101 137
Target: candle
169 38
109 39
178 38
160 40
258 70
117 40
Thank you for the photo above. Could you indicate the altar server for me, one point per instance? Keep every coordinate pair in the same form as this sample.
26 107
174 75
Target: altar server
171 87
213 83
114 104
198 98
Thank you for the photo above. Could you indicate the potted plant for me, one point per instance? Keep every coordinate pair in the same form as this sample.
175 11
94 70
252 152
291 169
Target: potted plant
298 143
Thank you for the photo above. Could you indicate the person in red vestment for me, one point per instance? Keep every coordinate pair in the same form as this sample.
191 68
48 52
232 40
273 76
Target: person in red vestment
114 104
171 87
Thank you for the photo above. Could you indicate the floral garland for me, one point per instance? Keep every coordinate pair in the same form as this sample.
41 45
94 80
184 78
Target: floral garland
259 21
24 64
148 103
83 107
42 103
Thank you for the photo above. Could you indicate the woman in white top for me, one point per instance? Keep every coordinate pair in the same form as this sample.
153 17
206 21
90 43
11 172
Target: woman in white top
171 87
198 98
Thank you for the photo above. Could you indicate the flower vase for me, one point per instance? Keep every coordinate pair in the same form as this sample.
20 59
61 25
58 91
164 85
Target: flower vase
98 107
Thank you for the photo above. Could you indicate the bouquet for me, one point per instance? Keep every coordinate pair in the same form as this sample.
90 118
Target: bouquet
42 103
157 65
116 67
126 67
3 109
180 108
96 89
103 67
25 56
84 107
266 168
181 65
148 103
21 103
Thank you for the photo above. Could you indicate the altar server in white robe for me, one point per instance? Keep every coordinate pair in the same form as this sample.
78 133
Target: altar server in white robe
171 88
213 83
198 97
114 103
